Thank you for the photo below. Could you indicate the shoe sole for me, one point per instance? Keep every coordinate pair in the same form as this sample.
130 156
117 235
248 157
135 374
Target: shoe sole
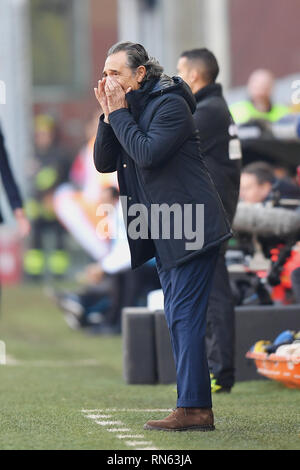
190 428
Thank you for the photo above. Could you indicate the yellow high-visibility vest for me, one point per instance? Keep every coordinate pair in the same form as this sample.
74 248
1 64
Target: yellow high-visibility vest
244 111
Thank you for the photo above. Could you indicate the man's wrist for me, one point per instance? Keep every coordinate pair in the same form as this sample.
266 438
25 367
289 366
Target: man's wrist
116 112
112 110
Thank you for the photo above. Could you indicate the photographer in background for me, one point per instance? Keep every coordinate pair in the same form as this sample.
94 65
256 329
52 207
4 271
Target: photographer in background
260 185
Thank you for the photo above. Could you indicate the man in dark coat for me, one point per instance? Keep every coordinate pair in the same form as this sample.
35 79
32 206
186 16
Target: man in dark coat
147 133
221 150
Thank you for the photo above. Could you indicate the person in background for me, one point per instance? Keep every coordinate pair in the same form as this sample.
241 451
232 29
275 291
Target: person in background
46 171
259 105
259 184
76 202
110 284
221 150
12 191
128 288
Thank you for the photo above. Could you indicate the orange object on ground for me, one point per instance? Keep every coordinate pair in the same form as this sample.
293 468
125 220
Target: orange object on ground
284 369
279 293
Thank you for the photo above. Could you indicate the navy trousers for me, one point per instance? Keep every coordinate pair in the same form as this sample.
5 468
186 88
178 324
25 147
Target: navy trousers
186 291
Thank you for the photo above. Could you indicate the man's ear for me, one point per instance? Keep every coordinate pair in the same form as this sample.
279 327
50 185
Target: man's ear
194 75
141 73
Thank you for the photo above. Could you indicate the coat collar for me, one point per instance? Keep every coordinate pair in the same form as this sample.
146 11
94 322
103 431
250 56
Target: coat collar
138 99
214 89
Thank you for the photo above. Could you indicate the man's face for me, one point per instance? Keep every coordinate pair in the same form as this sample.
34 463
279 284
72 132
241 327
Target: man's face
184 71
251 190
260 86
117 68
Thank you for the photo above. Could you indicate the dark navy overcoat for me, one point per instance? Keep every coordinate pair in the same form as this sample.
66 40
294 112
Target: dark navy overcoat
154 146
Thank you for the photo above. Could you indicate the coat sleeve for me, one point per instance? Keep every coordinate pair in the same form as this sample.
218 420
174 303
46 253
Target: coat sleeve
106 148
171 125
9 183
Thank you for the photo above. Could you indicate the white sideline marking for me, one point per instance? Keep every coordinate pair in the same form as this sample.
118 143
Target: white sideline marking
119 430
98 416
109 423
128 434
111 410
137 443
11 361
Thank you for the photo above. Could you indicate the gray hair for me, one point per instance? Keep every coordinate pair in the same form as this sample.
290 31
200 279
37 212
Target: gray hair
137 56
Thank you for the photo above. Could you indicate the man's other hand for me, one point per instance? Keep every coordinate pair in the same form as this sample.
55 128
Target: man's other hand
115 95
102 98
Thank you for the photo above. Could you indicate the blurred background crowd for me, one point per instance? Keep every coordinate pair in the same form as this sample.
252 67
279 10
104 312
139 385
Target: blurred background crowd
52 54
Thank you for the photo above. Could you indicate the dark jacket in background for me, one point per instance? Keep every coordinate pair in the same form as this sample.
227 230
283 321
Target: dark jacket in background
219 144
221 151
8 180
154 146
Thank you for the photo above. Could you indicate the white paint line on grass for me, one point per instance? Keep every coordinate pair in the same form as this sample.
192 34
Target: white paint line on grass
109 423
119 430
98 416
133 440
49 363
137 443
126 410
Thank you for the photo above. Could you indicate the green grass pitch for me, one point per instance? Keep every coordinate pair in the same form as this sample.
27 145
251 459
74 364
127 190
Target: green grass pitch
53 373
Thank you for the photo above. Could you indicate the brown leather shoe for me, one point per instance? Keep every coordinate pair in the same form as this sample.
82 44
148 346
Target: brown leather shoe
185 419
